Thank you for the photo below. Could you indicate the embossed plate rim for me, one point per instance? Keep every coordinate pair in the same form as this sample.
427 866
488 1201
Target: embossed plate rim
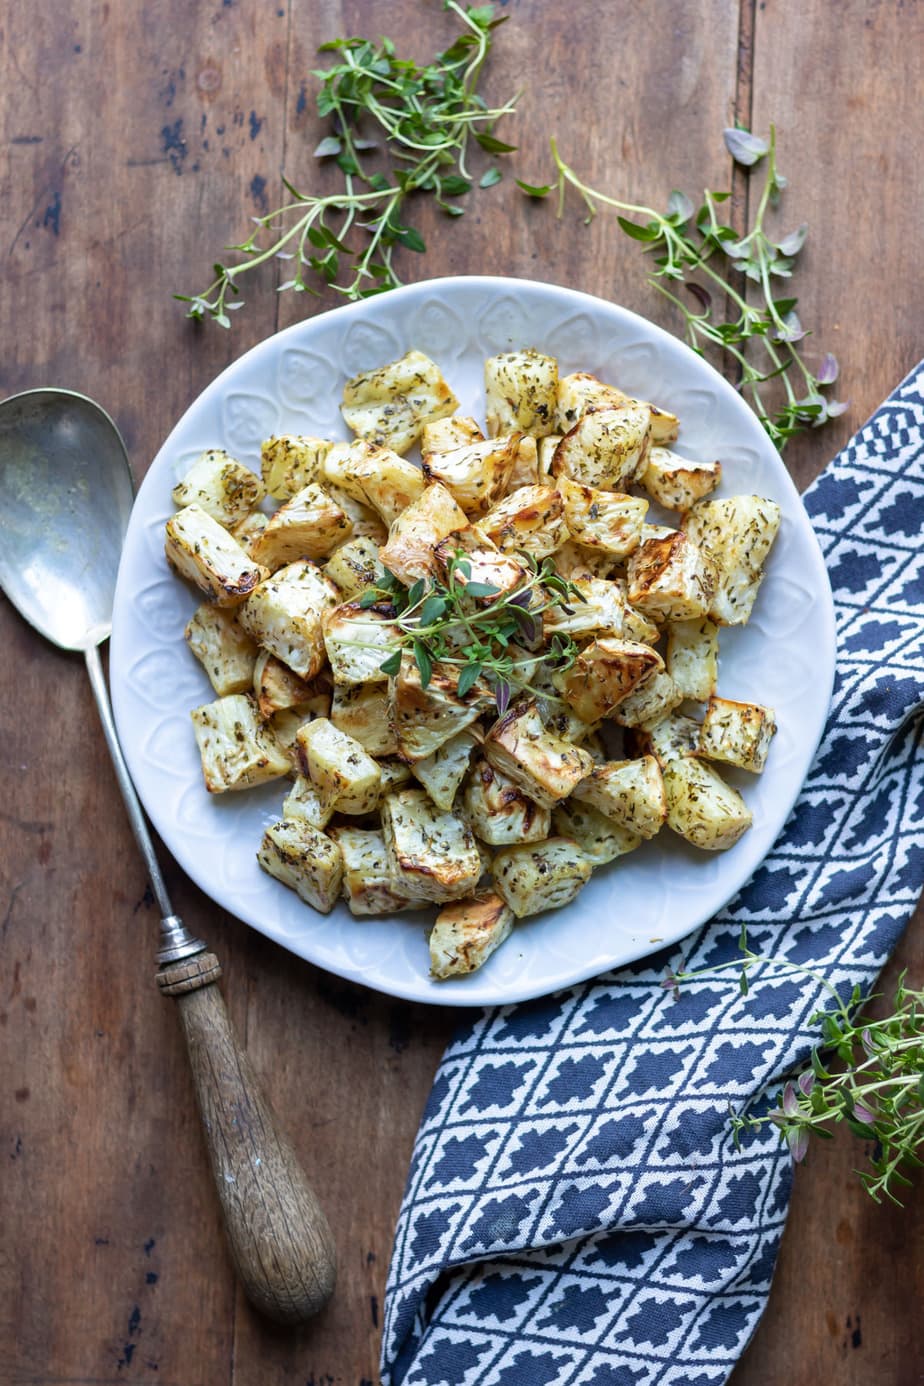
589 937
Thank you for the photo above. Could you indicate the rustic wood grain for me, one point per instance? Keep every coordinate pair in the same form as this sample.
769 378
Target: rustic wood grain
135 140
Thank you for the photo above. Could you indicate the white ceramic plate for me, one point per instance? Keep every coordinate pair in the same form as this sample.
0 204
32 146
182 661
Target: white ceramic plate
292 383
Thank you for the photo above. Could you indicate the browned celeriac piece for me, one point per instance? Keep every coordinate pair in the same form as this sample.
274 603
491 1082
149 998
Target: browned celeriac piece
531 518
284 614
390 406
410 552
533 877
670 738
607 520
581 391
366 522
305 860
223 648
543 765
238 751
476 474
737 733
606 448
545 451
671 579
521 388
290 462
380 478
487 565
630 792
443 435
368 886
223 487
678 482
652 698
442 772
342 771
431 854
250 529
499 811
201 550
310 525
466 933
574 561
355 566
426 718
637 627
701 807
600 608
304 801
605 672
737 533
358 641
525 470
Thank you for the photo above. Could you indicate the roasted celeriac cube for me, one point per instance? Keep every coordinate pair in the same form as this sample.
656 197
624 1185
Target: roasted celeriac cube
581 392
540 876
701 807
692 657
358 641
223 648
476 474
606 448
737 533
521 388
345 775
304 859
221 486
291 462
605 672
395 775
390 406
355 566
426 718
545 767
284 614
378 477
443 435
531 518
498 810
630 792
368 887
466 933
431 853
600 607
237 750
285 725
652 698
310 525
737 733
361 710
606 520
412 540
198 548
670 738
482 565
599 838
442 772
671 579
275 686
556 711
678 482
304 801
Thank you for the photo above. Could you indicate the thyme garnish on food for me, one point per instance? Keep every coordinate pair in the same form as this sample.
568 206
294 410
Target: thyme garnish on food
867 1072
426 117
477 627
694 249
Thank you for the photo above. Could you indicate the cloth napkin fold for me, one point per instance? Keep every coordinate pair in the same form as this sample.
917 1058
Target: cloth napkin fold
576 1212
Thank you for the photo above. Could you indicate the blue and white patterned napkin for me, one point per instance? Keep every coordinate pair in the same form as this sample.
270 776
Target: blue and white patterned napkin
576 1212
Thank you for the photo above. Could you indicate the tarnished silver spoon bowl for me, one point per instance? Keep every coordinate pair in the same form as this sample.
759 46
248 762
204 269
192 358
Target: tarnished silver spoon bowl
66 493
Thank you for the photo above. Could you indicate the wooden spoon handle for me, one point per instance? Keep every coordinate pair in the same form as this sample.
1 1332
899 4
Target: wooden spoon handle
279 1237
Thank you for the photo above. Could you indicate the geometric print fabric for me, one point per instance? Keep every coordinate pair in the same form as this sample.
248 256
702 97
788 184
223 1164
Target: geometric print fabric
576 1212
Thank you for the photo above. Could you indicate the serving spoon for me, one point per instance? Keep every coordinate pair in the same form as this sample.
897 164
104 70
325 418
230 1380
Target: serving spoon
66 492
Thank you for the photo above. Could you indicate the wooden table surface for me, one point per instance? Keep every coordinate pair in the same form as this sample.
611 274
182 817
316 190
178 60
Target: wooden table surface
135 140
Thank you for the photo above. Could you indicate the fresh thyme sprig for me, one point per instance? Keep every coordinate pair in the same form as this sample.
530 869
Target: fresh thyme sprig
867 1072
686 241
477 627
426 116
